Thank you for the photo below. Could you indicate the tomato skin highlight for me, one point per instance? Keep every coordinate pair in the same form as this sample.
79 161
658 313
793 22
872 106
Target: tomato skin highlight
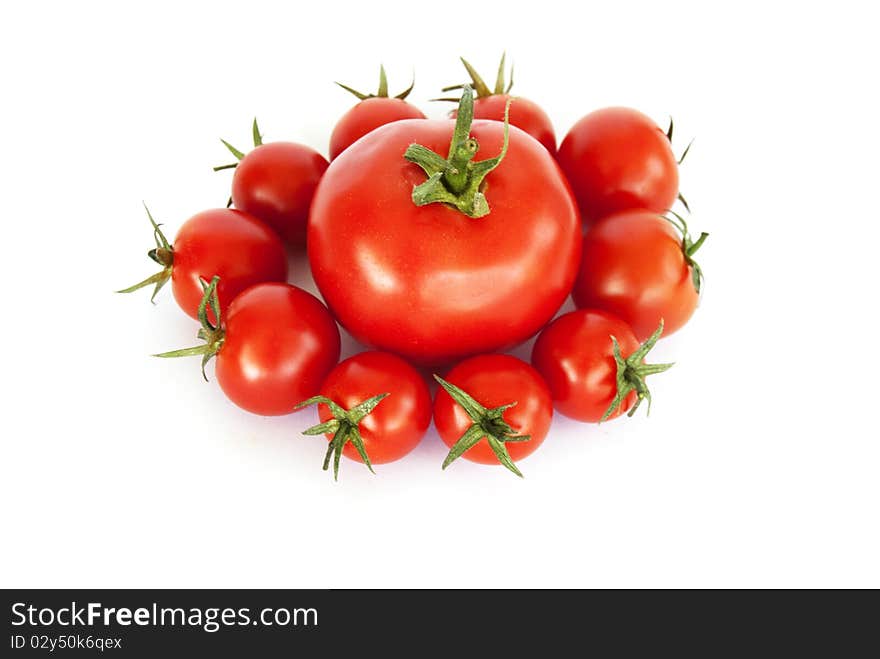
276 182
524 114
618 159
633 266
230 243
399 422
365 117
279 345
495 380
574 354
429 283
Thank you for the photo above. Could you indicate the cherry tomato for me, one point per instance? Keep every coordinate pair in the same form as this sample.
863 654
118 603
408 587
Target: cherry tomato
618 159
280 343
232 244
374 110
589 379
639 267
275 182
524 114
512 401
394 424
431 282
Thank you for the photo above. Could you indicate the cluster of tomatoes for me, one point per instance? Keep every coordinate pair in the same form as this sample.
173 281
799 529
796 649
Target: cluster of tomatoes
439 258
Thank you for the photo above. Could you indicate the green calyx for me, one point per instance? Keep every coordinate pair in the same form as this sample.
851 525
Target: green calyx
631 374
258 141
163 254
480 87
689 247
345 428
457 180
383 88
669 133
212 334
487 423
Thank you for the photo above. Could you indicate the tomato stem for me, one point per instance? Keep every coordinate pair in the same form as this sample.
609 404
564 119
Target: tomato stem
383 88
456 180
631 374
487 423
345 428
163 254
689 247
211 333
258 141
480 87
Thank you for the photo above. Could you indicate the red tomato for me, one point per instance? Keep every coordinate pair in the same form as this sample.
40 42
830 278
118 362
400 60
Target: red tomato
494 382
394 425
618 159
279 344
429 282
524 114
275 182
373 111
575 355
366 116
637 266
234 245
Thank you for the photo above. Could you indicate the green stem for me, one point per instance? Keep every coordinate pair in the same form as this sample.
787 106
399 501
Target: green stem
345 427
689 247
211 333
383 88
631 374
488 424
457 180
163 254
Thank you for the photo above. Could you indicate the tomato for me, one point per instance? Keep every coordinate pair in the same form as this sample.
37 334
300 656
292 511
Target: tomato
638 266
276 183
376 406
524 114
492 409
440 281
618 159
374 110
594 365
234 245
273 346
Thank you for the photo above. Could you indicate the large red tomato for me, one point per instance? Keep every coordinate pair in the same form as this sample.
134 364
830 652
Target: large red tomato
618 159
374 110
231 244
492 409
273 346
374 408
524 114
637 265
440 281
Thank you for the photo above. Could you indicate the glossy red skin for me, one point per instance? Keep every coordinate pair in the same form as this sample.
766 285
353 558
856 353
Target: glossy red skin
618 159
494 380
524 114
275 182
575 356
234 245
366 116
429 283
634 267
398 423
280 344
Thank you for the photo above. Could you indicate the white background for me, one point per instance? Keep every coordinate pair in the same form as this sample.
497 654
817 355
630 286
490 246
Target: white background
758 465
